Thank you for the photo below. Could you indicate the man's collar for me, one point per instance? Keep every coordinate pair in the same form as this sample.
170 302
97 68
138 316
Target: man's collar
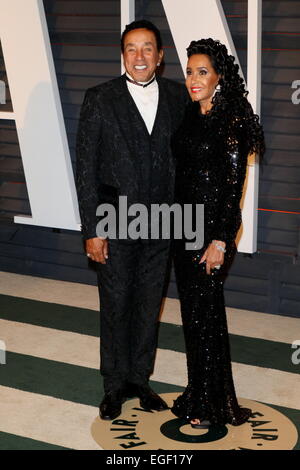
141 84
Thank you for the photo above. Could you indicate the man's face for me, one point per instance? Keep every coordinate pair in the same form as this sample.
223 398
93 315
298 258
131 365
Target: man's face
140 54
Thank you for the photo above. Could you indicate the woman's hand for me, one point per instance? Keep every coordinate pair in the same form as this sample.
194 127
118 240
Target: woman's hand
213 256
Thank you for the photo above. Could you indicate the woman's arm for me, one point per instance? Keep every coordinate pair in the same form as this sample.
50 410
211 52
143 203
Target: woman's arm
229 213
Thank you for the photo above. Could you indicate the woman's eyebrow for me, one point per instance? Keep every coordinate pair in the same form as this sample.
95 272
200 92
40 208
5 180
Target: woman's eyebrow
198 68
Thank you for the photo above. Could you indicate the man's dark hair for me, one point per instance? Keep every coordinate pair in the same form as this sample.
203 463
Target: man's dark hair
142 24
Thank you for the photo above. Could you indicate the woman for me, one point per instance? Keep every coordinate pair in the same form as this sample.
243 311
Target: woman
211 148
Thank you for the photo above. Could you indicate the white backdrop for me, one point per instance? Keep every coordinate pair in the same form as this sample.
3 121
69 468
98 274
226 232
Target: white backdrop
38 113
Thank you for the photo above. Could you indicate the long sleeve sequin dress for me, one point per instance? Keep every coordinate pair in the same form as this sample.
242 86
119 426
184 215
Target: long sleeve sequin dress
211 165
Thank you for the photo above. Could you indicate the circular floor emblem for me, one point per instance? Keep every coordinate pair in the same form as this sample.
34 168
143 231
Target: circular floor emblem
138 429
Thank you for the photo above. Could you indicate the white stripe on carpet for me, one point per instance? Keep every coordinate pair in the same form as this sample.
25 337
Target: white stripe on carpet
257 383
240 322
47 419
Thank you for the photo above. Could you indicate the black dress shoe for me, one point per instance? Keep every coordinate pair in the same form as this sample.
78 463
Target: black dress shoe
149 400
111 405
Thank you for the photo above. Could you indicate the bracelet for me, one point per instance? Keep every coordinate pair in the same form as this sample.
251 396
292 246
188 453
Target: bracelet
219 247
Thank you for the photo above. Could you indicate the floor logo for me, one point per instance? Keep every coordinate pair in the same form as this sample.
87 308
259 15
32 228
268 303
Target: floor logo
138 429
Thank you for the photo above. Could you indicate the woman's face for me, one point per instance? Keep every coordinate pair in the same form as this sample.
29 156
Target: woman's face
201 78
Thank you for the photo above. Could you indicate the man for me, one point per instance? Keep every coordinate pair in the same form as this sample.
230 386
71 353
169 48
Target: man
123 149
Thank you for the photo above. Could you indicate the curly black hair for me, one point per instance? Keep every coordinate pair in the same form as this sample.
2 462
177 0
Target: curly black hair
230 101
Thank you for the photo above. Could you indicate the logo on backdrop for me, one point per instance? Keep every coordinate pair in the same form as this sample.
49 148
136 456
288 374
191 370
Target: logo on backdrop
135 428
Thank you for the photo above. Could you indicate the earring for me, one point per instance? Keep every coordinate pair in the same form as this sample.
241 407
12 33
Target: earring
217 89
158 64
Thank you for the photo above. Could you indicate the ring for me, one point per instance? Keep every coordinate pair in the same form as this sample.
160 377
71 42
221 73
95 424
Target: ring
218 266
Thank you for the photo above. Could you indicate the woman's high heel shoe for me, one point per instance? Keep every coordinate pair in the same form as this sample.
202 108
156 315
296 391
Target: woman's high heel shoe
203 424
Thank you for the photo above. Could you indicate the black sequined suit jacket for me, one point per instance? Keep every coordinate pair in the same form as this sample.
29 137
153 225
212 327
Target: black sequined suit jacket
115 153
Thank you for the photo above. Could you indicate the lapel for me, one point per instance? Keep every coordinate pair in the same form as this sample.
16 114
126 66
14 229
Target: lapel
162 123
131 128
127 115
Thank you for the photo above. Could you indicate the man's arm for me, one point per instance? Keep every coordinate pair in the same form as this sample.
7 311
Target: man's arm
87 145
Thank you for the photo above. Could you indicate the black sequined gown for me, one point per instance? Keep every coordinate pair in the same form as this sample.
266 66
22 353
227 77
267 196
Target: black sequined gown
211 164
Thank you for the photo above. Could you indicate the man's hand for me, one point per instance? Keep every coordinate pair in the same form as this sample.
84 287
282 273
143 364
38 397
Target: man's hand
97 249
213 256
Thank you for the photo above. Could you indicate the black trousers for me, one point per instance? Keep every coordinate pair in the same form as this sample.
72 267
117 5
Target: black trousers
130 290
